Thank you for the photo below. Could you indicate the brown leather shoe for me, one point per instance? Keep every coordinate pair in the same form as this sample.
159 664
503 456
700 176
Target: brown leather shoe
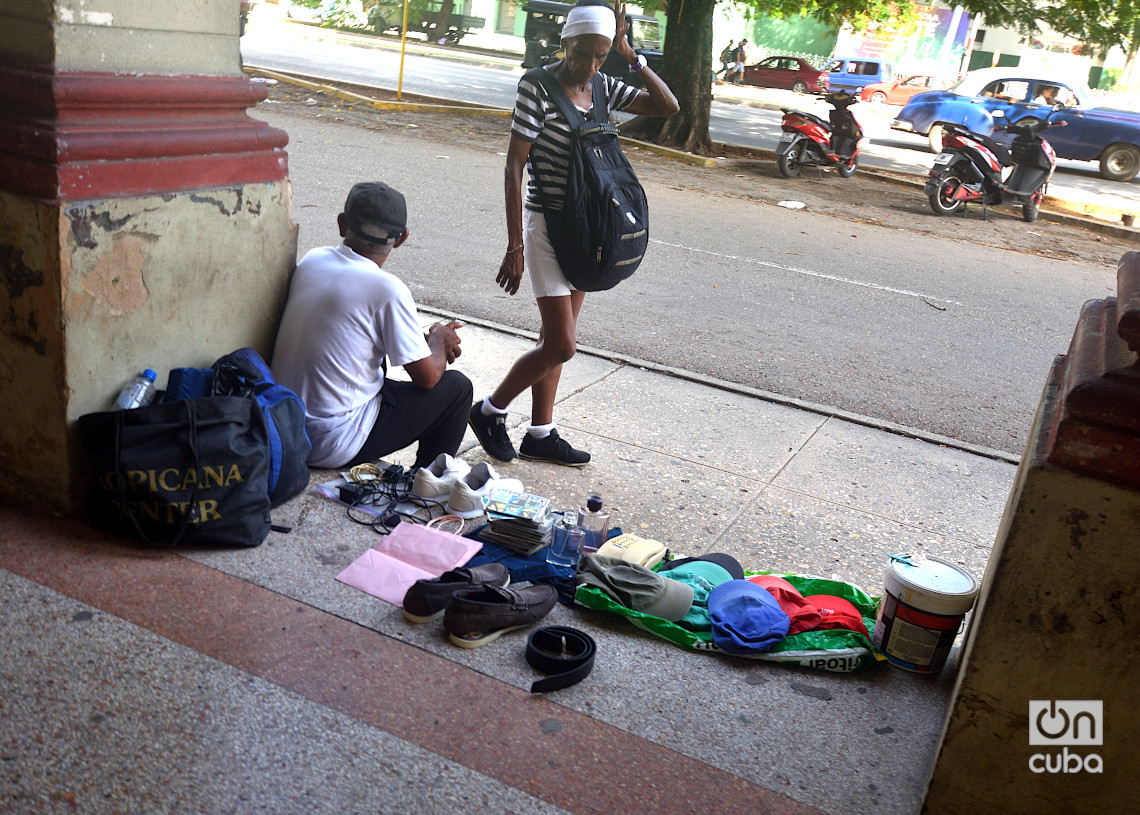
476 617
427 600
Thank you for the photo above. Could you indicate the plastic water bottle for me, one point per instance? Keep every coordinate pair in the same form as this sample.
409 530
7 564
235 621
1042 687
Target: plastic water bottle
138 392
594 523
566 546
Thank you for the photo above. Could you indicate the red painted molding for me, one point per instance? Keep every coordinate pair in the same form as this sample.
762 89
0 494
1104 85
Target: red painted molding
82 136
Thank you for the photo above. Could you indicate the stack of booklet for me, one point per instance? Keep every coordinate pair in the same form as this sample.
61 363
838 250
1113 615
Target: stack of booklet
519 521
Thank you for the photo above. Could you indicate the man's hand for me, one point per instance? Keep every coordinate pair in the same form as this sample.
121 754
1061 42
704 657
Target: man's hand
445 332
511 271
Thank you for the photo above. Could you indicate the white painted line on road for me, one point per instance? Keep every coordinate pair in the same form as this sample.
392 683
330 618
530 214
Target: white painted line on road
810 273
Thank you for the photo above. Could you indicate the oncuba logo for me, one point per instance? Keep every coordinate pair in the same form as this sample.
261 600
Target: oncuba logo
1066 723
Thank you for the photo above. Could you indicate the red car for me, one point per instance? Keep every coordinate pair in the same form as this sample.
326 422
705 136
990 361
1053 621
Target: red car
899 92
788 73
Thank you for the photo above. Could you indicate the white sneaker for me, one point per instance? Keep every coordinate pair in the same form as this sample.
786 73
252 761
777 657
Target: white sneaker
434 482
471 493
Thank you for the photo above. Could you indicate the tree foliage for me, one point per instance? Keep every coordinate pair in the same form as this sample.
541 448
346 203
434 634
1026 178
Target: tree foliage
689 48
1100 23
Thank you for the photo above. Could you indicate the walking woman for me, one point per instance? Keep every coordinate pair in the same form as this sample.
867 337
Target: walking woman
539 141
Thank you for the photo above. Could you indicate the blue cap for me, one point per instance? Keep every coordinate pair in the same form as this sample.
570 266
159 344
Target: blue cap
703 577
149 374
746 618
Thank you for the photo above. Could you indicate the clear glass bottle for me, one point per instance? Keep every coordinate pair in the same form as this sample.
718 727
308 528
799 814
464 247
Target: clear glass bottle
566 544
137 393
595 523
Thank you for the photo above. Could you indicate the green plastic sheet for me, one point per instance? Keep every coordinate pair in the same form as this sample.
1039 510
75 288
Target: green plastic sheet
832 650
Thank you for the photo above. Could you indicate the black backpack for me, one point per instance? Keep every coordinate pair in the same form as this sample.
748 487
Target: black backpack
602 231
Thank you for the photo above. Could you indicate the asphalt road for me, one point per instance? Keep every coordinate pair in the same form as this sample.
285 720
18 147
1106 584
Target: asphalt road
292 47
947 336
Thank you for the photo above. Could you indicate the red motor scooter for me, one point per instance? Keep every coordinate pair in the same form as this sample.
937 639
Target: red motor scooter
809 141
971 168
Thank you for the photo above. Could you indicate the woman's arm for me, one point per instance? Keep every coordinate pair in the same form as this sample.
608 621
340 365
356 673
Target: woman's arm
656 99
511 270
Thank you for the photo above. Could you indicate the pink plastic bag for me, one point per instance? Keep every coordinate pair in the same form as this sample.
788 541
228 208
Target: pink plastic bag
409 553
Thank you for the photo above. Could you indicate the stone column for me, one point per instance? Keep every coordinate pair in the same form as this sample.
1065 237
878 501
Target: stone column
1046 709
145 217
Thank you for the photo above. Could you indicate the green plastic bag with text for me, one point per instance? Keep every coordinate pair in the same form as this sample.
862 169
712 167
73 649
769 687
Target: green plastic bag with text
837 651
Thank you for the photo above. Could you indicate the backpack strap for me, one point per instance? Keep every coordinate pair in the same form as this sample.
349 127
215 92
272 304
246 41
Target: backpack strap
599 117
599 110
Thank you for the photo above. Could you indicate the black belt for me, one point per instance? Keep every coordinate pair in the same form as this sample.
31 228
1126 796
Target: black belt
566 653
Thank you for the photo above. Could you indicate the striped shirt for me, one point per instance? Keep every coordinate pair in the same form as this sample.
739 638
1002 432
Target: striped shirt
536 120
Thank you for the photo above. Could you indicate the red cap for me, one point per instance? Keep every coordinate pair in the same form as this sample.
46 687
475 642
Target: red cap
838 613
803 614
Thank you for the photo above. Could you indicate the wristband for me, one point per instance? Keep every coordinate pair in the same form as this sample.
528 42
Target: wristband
511 250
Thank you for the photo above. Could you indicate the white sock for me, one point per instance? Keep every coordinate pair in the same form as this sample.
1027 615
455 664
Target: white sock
540 431
490 410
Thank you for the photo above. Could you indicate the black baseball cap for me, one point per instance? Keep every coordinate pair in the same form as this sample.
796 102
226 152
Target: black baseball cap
726 562
376 212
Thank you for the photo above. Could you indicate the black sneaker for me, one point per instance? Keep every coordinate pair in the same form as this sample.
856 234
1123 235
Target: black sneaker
491 431
553 449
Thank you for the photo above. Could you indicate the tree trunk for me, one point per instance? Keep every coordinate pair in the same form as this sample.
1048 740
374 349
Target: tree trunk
688 72
443 20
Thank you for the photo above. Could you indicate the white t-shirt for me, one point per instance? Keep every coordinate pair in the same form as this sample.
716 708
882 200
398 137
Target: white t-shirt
343 316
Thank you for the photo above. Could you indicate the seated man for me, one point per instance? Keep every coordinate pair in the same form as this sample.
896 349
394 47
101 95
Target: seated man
344 315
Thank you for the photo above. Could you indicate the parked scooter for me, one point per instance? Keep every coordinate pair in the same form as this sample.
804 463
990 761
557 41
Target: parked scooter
972 167
809 141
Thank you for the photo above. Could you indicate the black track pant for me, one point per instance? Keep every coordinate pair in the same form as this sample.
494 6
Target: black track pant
437 419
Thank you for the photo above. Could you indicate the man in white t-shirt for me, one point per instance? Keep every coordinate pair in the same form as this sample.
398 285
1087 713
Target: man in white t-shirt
344 317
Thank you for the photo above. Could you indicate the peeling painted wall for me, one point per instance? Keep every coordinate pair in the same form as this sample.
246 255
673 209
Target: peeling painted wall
95 292
170 281
1057 619
33 397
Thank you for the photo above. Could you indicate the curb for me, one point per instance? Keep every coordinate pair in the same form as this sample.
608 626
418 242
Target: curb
443 105
449 106
669 152
745 390
1057 214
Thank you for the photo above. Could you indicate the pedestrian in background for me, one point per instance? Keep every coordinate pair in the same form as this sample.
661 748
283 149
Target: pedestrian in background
727 59
741 61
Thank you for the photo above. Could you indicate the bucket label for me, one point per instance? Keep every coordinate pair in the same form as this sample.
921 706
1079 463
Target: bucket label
912 644
912 638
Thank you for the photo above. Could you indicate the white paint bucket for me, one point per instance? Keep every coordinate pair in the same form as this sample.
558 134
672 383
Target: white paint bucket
924 601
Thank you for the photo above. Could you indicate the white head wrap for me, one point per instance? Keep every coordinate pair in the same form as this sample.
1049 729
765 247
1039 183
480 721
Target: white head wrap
590 20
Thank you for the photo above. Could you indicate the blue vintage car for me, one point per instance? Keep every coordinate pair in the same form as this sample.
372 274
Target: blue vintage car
1109 136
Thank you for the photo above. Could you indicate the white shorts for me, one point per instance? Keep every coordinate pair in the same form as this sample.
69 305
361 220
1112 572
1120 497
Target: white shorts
546 278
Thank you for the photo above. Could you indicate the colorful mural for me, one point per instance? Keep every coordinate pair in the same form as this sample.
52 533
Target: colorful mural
936 45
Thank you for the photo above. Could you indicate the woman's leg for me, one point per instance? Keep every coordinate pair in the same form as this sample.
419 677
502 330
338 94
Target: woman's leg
544 391
556 344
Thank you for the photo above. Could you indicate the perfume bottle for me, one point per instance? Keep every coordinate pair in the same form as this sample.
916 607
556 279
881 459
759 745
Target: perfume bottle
595 523
566 545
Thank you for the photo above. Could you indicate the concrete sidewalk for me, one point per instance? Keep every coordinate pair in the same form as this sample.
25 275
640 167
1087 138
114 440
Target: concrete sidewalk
251 680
